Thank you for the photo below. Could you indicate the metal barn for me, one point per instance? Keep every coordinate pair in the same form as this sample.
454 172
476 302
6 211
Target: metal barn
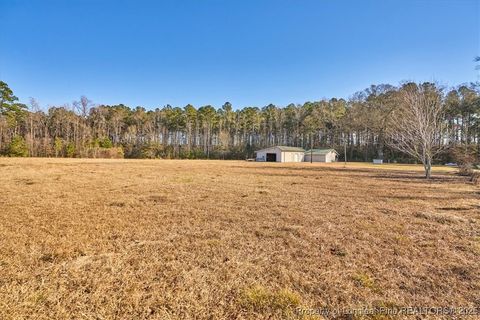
280 154
321 155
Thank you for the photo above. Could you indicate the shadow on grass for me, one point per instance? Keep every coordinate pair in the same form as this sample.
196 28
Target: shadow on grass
403 176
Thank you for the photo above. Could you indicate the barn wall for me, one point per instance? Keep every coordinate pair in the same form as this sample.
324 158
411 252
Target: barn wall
316 158
262 155
279 154
290 156
331 157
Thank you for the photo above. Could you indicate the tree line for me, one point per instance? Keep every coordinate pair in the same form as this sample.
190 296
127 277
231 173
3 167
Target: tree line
366 125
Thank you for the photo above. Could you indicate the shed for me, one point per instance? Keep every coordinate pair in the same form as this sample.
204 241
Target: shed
321 155
280 154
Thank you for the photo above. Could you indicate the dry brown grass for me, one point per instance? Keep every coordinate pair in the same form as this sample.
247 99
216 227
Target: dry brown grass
120 239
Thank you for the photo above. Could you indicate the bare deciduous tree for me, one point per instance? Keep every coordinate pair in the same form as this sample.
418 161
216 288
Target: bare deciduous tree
83 106
418 127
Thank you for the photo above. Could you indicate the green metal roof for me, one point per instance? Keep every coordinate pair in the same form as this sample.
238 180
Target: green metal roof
319 151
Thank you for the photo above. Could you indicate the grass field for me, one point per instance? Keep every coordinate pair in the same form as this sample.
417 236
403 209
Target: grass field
135 239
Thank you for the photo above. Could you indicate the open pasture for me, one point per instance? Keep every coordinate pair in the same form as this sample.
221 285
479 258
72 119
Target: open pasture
137 239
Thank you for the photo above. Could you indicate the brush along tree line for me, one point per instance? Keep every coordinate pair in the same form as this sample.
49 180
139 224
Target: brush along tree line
409 123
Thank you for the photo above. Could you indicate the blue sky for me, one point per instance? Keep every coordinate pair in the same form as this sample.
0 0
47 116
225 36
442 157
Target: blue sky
251 53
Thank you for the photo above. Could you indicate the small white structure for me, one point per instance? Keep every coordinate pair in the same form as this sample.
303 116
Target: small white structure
377 161
321 155
280 154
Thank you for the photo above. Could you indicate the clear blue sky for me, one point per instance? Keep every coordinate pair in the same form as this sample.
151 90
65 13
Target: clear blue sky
250 53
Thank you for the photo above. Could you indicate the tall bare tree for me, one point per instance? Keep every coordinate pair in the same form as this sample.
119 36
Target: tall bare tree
418 127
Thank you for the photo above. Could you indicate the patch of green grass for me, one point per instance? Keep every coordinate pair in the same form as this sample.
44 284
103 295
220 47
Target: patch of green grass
402 240
261 299
364 280
213 242
256 297
38 297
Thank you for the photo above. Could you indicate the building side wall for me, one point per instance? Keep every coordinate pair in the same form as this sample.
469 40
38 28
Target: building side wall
262 155
292 156
279 154
331 157
301 156
315 158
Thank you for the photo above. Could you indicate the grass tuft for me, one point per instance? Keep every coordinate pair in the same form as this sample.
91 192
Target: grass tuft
364 280
260 299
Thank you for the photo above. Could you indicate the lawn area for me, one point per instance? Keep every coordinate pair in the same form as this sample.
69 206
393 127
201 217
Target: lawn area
180 239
